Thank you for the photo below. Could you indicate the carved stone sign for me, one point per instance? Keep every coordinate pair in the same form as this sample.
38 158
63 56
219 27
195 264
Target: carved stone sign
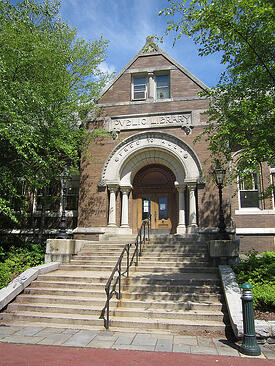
182 120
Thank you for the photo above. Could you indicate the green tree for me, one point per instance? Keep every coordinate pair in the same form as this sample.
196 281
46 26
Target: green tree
49 80
242 104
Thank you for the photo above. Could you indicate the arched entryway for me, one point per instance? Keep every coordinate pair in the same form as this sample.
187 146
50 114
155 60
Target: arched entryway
153 158
155 196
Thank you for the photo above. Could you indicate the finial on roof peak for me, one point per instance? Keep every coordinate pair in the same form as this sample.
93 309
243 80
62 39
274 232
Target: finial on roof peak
149 39
150 45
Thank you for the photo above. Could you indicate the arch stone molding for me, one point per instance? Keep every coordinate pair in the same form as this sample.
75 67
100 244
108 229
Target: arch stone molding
151 147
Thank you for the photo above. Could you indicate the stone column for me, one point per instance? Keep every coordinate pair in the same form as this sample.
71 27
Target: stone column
124 215
192 226
151 85
112 205
181 228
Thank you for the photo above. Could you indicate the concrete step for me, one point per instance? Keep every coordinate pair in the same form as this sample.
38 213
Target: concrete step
100 302
87 267
175 325
175 269
53 318
97 262
194 279
159 296
72 285
66 292
78 309
171 305
59 299
72 279
163 258
176 250
167 315
172 288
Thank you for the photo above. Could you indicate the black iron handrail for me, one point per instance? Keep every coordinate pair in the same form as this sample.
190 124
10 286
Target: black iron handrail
110 288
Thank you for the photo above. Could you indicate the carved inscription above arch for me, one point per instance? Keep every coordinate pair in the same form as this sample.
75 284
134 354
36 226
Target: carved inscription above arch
151 148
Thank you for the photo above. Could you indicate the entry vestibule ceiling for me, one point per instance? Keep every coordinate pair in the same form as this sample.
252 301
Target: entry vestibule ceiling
147 148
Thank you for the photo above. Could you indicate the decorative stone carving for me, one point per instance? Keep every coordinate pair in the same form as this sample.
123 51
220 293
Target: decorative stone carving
183 120
151 147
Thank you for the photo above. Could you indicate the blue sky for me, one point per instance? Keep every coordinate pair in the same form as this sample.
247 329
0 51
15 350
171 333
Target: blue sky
126 24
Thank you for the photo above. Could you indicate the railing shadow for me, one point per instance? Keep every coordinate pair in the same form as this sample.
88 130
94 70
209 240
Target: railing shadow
132 251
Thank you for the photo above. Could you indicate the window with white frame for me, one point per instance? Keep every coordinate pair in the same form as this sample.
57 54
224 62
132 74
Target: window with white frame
139 87
153 86
249 191
163 86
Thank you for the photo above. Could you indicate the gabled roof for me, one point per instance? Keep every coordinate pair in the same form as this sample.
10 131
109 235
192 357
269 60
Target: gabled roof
151 48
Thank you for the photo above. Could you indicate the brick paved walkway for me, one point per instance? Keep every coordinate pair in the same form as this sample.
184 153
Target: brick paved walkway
39 346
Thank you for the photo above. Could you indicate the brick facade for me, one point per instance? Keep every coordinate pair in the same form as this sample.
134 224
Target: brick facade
116 101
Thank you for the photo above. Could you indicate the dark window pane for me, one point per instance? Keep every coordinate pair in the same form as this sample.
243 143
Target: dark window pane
163 209
162 80
146 208
249 199
139 81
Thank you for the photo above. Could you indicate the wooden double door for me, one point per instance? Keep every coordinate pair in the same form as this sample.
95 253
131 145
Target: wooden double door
155 196
159 207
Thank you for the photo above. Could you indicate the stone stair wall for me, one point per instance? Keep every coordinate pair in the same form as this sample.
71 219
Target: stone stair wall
174 289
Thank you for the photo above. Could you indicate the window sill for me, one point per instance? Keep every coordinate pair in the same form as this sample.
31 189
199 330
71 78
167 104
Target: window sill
68 213
254 211
148 100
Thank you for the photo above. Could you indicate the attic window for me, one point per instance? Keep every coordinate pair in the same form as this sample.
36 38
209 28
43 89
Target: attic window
139 87
163 86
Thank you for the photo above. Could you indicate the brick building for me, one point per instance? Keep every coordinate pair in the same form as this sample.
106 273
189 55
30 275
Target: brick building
151 165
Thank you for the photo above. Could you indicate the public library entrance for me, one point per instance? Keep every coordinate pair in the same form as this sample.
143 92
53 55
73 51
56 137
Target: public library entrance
155 196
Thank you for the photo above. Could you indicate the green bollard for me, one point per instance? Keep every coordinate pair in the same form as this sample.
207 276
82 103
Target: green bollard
250 346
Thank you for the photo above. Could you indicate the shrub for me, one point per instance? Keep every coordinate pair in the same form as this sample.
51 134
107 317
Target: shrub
5 275
259 271
16 260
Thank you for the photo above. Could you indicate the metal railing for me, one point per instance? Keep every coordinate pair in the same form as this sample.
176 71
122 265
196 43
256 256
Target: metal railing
113 285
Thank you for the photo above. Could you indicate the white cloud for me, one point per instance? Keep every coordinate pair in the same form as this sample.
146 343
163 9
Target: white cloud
107 68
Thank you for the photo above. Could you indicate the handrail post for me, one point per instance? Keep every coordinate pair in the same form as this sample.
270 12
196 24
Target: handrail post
136 251
106 323
128 258
119 279
140 241
144 233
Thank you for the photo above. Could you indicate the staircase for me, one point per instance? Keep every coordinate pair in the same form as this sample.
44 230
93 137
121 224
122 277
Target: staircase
174 289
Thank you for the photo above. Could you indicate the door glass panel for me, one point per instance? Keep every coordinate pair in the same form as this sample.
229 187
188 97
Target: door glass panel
163 208
146 208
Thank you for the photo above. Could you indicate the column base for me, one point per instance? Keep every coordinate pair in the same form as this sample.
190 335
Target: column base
181 229
192 229
118 230
112 225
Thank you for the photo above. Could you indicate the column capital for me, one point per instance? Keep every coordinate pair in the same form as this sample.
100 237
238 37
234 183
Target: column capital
113 187
192 185
180 187
125 189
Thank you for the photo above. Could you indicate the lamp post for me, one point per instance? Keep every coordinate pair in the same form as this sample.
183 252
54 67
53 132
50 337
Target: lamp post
219 175
63 222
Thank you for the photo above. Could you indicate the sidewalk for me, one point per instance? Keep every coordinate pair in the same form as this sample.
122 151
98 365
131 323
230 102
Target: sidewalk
40 346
